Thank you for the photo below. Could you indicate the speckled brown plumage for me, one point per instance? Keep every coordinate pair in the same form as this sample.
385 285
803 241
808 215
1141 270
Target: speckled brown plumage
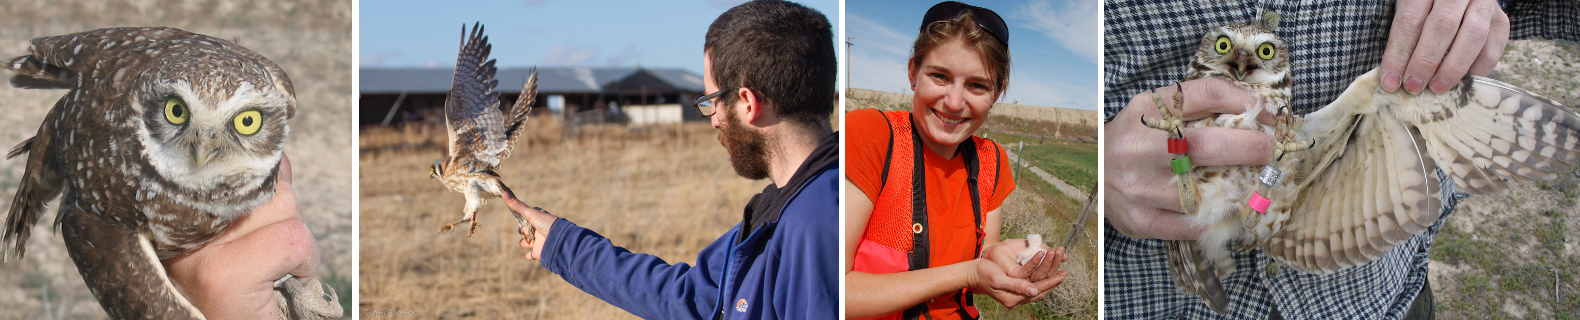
136 184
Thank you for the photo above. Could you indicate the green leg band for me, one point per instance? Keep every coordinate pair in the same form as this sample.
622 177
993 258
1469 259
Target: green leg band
1181 165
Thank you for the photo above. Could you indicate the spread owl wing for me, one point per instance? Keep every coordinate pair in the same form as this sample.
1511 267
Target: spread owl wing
471 110
1371 181
516 117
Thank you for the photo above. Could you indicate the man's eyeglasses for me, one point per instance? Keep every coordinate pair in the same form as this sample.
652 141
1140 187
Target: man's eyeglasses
705 103
987 19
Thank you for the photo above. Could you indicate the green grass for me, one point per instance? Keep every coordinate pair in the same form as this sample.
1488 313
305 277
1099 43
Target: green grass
1075 163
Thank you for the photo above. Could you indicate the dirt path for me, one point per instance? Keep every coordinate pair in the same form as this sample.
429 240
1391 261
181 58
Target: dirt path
1066 188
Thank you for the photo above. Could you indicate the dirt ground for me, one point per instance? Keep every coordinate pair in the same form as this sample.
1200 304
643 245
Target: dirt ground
1515 255
311 40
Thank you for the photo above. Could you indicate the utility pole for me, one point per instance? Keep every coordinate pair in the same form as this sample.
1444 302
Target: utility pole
847 61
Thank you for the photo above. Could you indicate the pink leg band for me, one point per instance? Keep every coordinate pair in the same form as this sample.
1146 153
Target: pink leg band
1259 203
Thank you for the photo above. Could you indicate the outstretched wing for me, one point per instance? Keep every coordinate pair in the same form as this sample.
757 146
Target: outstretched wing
516 117
471 111
1372 182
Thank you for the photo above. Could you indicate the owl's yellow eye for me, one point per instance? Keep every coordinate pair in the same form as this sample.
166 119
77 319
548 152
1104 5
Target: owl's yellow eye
1223 45
176 111
248 122
1265 51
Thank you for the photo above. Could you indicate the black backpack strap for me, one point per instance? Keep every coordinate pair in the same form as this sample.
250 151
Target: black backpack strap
968 149
888 155
919 256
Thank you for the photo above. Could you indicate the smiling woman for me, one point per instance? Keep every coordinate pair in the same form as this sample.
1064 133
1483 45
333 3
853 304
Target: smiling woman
923 193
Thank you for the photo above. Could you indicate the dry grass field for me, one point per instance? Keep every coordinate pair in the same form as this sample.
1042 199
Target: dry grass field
664 190
311 40
1036 206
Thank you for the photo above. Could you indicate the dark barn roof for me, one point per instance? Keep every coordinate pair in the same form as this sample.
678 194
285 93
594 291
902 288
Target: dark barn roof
553 80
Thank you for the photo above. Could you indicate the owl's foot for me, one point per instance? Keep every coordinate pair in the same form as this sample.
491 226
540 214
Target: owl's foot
1170 119
471 230
447 228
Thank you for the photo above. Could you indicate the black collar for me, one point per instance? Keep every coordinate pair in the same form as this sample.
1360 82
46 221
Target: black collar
766 206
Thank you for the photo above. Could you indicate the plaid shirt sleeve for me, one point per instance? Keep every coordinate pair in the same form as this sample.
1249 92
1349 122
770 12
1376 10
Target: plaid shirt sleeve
1148 44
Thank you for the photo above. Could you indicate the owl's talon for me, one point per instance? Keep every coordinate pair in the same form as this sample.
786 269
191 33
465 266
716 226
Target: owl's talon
471 230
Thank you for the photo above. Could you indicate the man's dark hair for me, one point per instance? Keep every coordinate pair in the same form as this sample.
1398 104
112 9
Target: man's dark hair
781 50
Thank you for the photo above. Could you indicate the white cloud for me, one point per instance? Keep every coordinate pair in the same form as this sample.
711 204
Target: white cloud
564 55
877 56
627 57
869 34
877 73
1073 24
379 59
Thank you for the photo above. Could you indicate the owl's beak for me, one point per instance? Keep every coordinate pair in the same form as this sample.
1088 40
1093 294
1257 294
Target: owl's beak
205 149
1242 64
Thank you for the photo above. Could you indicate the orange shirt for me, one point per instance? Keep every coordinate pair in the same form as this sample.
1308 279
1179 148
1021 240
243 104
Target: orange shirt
952 224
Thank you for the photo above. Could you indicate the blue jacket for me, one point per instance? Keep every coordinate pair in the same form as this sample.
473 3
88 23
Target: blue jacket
787 268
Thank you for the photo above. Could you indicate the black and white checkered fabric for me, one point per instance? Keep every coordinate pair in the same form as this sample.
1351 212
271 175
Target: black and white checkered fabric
1148 44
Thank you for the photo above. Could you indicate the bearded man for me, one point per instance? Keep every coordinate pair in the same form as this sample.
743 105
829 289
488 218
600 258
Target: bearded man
769 67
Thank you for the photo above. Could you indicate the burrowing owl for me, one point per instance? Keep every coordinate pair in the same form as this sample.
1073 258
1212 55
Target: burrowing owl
480 134
164 139
1347 183
1249 56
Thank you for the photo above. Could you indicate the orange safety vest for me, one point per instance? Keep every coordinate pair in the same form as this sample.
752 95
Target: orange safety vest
897 236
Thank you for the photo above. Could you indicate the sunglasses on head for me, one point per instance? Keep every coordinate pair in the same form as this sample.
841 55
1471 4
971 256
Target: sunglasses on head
987 19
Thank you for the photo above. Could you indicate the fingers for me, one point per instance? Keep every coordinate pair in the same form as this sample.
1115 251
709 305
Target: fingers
1468 41
1209 96
1437 33
1408 17
1225 147
285 168
1497 38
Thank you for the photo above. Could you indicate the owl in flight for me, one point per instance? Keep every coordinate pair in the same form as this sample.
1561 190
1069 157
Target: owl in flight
480 134
164 139
1347 183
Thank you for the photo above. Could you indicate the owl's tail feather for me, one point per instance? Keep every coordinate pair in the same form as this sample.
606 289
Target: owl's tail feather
40 183
32 73
20 148
1194 274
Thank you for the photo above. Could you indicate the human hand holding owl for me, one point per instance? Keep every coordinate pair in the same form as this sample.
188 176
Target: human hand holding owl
1419 52
537 228
235 274
1141 203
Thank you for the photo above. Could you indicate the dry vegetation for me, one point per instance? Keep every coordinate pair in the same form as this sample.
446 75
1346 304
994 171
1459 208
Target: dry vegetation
1515 255
1036 206
665 190
311 40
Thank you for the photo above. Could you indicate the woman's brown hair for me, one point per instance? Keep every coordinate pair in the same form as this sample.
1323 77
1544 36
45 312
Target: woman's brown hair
995 53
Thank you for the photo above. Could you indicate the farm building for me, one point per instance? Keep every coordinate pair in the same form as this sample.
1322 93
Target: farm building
638 95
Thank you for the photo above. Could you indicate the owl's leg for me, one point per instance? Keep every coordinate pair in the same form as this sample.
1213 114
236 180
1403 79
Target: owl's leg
1172 121
473 203
122 268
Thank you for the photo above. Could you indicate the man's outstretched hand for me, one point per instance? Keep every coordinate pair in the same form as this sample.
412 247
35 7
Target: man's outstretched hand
537 228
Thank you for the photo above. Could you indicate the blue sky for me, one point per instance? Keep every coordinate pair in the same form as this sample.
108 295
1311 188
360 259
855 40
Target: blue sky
592 33
1054 47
